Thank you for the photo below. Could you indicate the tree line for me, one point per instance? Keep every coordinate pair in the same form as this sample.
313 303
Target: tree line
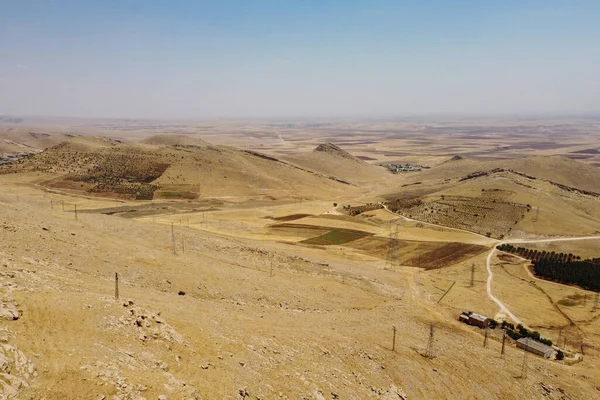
520 331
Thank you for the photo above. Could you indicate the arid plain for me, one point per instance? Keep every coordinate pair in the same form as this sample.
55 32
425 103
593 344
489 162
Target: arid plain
275 259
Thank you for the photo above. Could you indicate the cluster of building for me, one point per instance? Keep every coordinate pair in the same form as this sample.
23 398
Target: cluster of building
398 168
11 158
527 344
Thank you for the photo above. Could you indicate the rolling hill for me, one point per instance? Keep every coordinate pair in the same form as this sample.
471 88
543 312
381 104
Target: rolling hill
174 167
505 198
560 170
331 160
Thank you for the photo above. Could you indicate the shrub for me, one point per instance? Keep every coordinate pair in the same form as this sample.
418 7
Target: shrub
560 355
513 335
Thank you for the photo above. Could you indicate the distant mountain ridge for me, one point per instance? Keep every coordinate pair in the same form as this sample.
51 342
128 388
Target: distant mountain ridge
334 150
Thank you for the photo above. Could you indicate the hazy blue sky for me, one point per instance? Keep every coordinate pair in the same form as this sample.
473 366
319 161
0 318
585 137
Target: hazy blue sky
253 58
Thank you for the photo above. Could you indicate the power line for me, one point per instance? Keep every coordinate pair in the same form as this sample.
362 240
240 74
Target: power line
116 286
173 239
429 352
447 291
391 260
485 338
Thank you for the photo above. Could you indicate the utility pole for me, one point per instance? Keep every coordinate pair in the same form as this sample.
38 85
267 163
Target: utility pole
116 286
429 351
75 212
271 273
472 275
51 205
485 338
173 239
524 366
559 336
391 260
394 339
503 342
596 302
183 244
63 205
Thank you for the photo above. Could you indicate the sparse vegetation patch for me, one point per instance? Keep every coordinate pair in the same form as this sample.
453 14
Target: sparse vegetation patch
487 215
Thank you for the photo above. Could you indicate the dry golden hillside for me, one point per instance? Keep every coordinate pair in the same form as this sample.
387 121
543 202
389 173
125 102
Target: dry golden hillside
225 317
242 275
331 160
489 197
108 167
559 170
18 143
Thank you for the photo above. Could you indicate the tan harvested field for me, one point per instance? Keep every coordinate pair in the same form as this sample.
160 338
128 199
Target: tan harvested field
246 272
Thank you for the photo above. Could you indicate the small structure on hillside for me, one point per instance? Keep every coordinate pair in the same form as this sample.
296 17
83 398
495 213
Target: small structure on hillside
535 347
472 318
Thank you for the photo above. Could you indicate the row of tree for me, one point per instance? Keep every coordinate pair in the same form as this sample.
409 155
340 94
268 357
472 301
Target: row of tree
584 273
521 332
534 254
561 267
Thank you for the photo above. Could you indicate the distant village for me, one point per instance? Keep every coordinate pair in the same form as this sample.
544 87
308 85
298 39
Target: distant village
399 168
6 159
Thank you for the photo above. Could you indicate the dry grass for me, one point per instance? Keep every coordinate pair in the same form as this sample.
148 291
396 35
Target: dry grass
321 324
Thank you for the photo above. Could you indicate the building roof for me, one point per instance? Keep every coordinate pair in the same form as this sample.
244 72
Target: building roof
533 344
478 317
